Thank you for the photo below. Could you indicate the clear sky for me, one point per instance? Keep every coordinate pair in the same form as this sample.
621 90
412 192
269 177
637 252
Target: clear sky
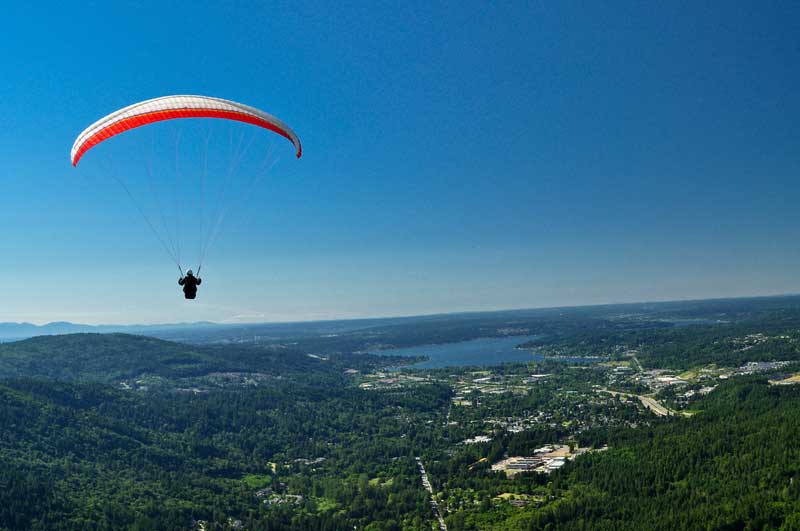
457 156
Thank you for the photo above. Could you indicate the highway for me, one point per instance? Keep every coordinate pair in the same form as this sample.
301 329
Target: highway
647 401
427 484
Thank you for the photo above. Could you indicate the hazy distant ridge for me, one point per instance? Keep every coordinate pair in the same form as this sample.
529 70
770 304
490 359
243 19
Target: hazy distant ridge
16 331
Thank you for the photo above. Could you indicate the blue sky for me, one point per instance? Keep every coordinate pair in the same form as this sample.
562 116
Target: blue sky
457 156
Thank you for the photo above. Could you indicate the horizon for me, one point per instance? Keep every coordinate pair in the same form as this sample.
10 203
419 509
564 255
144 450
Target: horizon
403 316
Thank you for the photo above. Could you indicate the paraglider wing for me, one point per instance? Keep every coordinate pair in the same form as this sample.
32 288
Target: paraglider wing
173 107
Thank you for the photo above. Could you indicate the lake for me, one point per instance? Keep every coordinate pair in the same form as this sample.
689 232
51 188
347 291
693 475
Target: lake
483 351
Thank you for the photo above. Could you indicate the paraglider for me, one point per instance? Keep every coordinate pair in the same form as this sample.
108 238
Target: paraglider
190 283
173 108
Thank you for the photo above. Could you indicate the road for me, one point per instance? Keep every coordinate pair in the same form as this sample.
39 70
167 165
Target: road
647 401
655 407
427 484
638 365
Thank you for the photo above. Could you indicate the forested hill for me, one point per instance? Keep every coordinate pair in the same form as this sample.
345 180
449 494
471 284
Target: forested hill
97 357
89 456
734 465
108 358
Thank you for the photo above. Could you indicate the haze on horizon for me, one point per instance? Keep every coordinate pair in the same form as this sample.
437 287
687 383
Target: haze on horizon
549 155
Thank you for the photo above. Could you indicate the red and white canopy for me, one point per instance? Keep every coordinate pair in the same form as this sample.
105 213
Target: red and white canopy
173 107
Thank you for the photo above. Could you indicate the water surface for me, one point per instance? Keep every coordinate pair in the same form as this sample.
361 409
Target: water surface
484 351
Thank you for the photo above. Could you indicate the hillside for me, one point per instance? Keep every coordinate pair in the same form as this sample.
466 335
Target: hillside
109 358
734 465
78 456
99 358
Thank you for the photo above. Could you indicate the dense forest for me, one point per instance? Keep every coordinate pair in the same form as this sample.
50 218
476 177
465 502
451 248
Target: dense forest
109 358
734 465
126 432
80 456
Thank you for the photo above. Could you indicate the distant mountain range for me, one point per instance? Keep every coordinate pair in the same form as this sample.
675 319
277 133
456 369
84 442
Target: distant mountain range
17 331
197 332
